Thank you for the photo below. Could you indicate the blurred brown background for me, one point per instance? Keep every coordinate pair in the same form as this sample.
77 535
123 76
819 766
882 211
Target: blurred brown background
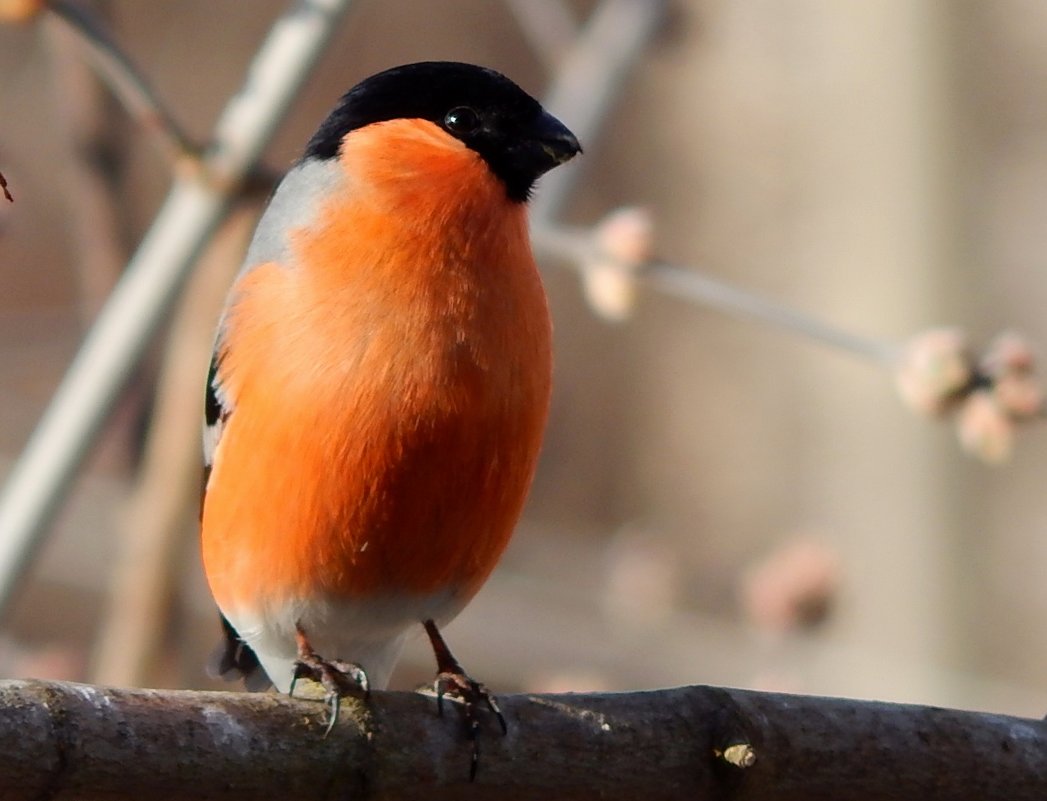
881 165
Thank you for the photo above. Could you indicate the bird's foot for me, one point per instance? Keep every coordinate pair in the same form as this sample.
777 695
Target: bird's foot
453 682
337 677
471 694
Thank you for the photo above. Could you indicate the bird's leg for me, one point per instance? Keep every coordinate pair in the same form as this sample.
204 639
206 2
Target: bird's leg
452 680
337 677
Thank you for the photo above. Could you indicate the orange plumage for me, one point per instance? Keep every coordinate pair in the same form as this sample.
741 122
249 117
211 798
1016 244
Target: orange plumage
400 383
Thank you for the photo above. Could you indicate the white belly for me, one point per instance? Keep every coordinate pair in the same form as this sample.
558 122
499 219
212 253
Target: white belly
370 632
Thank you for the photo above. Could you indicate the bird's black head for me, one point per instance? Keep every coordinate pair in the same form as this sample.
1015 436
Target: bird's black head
517 138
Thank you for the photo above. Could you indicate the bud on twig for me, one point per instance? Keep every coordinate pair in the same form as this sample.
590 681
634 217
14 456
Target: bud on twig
621 248
990 395
934 370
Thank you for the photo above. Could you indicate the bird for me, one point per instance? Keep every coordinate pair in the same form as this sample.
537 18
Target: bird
380 383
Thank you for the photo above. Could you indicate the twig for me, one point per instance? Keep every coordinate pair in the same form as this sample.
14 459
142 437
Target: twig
5 190
594 73
548 26
126 81
162 508
572 246
697 288
91 138
195 205
76 741
990 395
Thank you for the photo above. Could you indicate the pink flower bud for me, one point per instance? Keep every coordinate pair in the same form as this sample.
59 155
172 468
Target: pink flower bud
622 245
934 368
985 430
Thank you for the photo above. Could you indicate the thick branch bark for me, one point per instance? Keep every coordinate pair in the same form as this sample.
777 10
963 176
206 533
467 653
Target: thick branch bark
60 741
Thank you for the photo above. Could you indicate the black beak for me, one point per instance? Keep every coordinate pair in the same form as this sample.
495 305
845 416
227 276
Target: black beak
535 148
551 143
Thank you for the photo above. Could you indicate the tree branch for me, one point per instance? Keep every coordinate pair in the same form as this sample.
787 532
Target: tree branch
125 81
61 741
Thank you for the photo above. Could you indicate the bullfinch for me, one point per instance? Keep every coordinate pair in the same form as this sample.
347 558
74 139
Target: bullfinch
380 383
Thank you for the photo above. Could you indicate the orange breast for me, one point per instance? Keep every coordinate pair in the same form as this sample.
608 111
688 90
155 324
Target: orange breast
390 390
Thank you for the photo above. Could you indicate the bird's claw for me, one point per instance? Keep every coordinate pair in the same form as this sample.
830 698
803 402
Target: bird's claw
337 677
471 694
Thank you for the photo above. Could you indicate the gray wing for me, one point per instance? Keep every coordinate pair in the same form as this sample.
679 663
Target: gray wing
292 206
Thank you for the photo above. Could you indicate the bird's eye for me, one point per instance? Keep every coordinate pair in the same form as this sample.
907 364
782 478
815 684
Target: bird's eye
462 120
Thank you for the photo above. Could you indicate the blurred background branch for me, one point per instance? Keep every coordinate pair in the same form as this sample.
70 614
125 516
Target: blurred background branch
128 84
590 78
161 510
95 141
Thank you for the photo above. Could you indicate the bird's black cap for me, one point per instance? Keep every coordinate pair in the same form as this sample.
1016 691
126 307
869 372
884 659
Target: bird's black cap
517 138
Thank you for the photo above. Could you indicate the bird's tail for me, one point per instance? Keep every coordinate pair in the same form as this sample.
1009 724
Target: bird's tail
234 659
